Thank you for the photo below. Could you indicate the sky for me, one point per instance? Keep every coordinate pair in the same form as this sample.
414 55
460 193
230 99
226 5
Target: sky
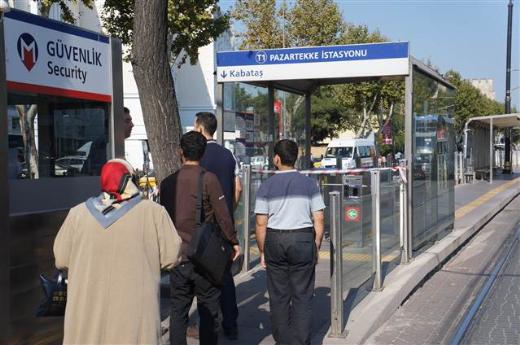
468 36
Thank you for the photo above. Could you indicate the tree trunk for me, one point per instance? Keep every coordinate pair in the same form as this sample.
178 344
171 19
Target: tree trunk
152 72
27 116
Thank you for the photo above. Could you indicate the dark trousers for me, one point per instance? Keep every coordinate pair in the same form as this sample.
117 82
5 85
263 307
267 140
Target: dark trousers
228 303
290 259
185 284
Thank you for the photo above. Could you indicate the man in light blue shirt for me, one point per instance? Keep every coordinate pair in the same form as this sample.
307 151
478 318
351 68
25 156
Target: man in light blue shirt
289 231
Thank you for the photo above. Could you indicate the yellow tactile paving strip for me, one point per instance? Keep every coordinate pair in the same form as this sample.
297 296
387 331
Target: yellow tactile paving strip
461 212
464 210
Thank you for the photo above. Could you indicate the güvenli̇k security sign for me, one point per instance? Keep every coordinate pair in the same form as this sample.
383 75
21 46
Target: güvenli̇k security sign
48 57
352 214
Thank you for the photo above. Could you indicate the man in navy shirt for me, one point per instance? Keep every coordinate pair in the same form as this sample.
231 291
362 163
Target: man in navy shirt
222 163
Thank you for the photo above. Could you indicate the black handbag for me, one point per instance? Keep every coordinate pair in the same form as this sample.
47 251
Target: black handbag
209 251
55 299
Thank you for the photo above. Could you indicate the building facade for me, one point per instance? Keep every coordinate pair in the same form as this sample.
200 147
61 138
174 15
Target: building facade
486 86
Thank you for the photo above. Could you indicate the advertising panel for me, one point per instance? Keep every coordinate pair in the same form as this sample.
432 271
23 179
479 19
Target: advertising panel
49 57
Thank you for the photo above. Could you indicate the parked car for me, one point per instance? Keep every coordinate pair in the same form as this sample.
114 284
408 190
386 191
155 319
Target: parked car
354 153
259 162
69 165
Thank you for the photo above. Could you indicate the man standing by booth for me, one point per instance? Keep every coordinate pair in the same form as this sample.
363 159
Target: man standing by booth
289 230
222 163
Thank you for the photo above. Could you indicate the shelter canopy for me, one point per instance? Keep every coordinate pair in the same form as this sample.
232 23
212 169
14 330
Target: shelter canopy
500 121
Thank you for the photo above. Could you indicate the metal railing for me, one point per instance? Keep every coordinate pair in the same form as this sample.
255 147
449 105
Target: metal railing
367 231
383 184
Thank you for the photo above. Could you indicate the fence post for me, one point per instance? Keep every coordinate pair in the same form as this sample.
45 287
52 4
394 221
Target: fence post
403 216
246 190
336 271
457 169
462 167
376 228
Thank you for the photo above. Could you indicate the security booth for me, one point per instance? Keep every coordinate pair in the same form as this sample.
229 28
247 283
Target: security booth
61 108
274 79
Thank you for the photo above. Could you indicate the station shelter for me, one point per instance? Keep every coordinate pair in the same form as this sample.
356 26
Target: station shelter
259 90
61 101
484 154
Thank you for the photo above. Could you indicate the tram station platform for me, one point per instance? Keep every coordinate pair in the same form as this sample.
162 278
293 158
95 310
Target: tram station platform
366 311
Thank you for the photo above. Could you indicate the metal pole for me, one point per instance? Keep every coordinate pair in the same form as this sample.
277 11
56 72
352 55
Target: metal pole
409 149
507 103
307 162
461 167
246 189
403 213
491 150
336 271
376 228
219 101
457 173
270 117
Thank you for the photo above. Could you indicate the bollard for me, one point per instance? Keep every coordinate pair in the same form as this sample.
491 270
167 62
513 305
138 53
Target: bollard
336 263
376 228
246 190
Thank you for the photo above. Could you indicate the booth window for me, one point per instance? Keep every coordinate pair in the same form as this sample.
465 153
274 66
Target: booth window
433 158
56 137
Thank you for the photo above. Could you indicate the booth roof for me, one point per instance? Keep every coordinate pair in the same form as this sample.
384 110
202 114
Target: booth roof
500 121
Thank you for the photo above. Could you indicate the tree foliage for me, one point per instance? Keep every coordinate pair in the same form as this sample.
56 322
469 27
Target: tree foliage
362 107
191 24
159 34
66 13
470 102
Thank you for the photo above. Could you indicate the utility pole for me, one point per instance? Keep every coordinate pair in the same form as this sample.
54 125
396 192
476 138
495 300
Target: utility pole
507 104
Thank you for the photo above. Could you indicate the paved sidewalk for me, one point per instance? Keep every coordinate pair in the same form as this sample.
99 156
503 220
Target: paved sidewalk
475 205
436 309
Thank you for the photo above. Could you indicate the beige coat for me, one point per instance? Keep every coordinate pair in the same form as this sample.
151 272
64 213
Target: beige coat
114 274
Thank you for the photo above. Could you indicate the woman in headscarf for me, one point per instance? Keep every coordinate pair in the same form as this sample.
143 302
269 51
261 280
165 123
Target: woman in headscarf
114 247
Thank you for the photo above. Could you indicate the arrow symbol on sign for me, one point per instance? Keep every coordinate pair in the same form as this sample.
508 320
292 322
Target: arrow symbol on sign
223 74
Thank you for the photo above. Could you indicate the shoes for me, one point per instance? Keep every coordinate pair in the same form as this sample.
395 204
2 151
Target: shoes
192 332
231 335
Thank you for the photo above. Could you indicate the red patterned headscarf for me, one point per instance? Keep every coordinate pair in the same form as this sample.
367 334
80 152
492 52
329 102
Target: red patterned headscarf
117 180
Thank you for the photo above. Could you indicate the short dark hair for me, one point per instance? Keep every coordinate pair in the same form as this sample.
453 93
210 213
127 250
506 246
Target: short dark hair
287 150
208 121
193 145
126 110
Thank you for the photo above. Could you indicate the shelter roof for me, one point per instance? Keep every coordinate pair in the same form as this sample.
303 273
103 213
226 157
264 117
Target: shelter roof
500 121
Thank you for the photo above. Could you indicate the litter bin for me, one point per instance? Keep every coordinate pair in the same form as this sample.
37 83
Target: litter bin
357 210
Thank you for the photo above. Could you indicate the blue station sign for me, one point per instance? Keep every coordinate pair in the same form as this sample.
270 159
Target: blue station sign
360 60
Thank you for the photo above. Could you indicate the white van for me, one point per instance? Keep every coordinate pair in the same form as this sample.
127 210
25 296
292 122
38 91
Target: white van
354 153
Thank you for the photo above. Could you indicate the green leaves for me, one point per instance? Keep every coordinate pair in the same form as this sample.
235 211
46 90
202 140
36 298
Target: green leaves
191 24
66 13
470 102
